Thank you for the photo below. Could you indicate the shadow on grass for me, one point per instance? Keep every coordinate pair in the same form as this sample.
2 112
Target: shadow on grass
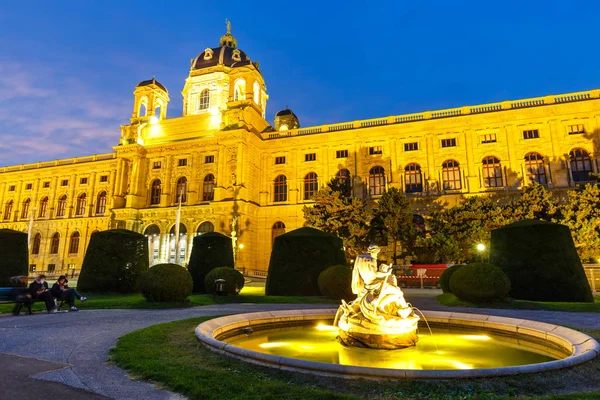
450 300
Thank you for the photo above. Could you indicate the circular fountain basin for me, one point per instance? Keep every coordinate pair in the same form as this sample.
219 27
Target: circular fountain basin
460 346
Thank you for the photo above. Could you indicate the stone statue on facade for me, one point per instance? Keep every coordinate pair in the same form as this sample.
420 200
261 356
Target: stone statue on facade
380 317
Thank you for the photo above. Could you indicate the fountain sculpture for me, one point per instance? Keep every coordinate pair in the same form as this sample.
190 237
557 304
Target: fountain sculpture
380 317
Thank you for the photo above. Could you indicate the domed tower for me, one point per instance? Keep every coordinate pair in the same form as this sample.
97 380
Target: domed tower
150 99
227 87
286 119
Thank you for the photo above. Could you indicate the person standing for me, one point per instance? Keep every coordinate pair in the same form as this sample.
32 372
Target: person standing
39 291
61 291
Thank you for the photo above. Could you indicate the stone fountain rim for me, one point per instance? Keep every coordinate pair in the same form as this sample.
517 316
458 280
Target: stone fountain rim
580 346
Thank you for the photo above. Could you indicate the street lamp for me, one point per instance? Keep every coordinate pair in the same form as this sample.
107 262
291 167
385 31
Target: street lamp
480 247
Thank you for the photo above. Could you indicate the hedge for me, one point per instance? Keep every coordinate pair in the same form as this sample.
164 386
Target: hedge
541 262
14 256
113 262
336 283
166 282
210 250
480 283
446 275
234 280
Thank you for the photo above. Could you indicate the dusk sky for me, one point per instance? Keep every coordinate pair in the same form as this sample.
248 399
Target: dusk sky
68 68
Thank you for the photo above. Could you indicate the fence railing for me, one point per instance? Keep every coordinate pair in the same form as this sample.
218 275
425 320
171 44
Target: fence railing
592 271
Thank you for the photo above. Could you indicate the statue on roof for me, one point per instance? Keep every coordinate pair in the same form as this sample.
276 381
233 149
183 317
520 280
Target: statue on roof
228 26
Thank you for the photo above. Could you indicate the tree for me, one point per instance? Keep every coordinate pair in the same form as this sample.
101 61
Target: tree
535 202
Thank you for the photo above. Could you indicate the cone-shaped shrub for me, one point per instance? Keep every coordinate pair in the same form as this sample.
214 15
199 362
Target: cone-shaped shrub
211 250
14 256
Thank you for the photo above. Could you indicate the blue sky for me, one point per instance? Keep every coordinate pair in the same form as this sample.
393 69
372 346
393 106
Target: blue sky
68 68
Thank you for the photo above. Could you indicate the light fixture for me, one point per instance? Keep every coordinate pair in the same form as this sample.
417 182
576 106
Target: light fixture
241 246
480 247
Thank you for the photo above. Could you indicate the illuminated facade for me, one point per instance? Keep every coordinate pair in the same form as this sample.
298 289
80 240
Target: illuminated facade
232 169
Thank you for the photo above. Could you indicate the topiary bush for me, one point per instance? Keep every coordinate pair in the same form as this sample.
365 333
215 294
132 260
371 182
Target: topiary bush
480 283
297 259
211 250
446 275
336 283
234 280
14 256
113 262
541 262
166 282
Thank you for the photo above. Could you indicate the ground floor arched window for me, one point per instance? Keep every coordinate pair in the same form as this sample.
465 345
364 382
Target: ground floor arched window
182 245
152 233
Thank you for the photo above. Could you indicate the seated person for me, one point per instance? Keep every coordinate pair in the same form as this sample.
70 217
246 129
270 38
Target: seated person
39 291
61 291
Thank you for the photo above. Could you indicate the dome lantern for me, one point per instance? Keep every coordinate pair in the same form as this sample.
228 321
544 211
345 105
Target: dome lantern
227 39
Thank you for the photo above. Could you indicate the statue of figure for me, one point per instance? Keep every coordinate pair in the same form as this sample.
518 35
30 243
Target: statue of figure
228 25
380 317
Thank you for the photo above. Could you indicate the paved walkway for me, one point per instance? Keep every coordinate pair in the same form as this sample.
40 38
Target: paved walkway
83 339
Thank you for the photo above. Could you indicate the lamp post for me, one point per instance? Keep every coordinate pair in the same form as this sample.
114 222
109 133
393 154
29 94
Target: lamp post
481 248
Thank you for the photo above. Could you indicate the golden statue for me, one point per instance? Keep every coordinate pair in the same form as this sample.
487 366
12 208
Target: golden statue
380 317
228 26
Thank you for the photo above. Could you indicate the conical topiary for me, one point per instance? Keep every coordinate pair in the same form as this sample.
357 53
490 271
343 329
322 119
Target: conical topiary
14 256
210 250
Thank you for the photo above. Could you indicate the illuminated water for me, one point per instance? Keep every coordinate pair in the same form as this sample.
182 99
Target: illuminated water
447 349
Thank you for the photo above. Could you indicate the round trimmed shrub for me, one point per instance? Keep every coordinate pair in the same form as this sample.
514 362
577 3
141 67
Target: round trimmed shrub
113 262
166 282
336 283
234 280
446 275
541 262
14 256
297 259
211 250
480 283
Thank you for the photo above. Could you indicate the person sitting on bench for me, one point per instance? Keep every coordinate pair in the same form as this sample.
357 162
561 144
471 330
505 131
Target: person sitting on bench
61 291
39 291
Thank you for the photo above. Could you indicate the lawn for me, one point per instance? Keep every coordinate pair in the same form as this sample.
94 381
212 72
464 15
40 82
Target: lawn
450 300
116 300
170 355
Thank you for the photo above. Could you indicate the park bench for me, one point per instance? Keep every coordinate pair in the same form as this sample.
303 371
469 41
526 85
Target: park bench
18 296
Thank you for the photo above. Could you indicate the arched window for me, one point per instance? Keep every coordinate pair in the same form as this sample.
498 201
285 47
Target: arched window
101 203
376 181
413 181
208 188
35 246
419 223
181 190
256 92
344 176
157 111
277 229
182 244
43 207
205 227
25 209
280 189
61 207
239 90
534 168
204 100
581 165
143 107
54 243
451 175
153 234
311 185
492 172
155 192
81 203
74 243
8 210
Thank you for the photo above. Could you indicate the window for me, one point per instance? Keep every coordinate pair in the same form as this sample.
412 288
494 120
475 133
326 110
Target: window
375 150
531 134
280 160
205 227
28 186
256 92
101 203
181 190
310 157
54 243
204 100
155 192
449 142
51 267
83 181
413 182
451 175
74 243
311 185
71 266
81 203
208 188
11 188
492 172
576 129
411 146
61 206
280 189
156 165
25 208
534 168
8 210
277 230
341 154
376 181
64 182
32 267
581 165
344 176
209 159
182 162
37 241
46 185
239 90
104 178
488 138
43 207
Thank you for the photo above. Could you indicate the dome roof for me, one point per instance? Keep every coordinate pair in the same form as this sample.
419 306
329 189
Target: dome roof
223 55
152 81
287 111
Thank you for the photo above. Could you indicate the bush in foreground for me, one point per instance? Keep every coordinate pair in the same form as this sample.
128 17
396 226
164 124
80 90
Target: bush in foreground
14 256
166 283
480 283
234 280
446 275
336 283
211 250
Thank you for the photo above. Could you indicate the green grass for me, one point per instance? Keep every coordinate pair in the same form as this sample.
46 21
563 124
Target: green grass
171 356
450 300
137 301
